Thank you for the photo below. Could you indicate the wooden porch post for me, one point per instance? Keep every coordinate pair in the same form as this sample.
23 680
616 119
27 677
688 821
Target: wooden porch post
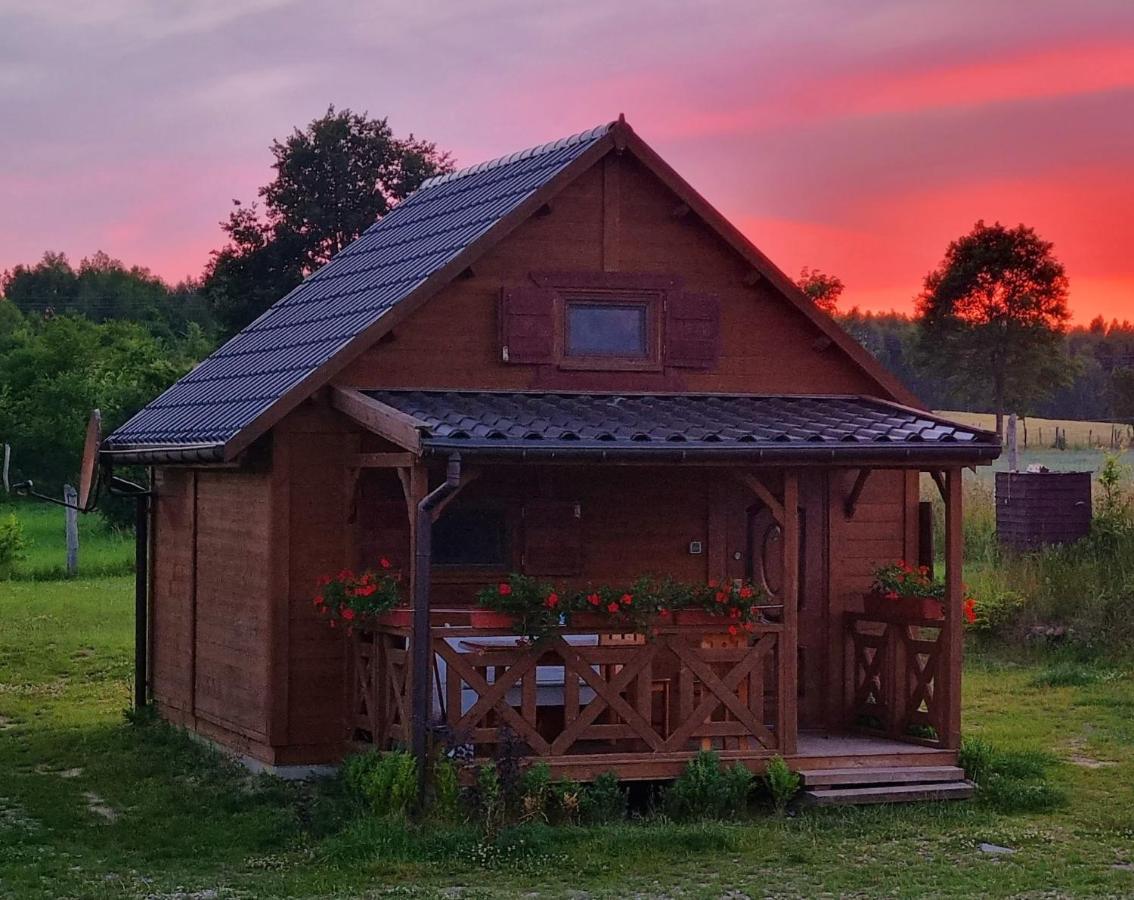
950 676
789 651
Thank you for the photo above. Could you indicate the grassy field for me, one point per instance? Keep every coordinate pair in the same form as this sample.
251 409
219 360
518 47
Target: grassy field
103 550
1081 434
93 806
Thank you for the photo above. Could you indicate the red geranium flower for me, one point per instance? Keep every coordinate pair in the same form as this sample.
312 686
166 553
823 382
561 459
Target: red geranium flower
552 601
893 595
612 608
319 601
594 599
733 630
970 610
626 600
745 592
348 613
384 563
734 613
504 589
713 582
721 596
346 575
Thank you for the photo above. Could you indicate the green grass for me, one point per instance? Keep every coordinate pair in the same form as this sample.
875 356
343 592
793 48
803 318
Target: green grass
103 549
184 820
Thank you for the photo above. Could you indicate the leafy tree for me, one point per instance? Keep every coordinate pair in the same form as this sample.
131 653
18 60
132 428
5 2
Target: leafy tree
824 290
993 317
54 371
333 180
103 289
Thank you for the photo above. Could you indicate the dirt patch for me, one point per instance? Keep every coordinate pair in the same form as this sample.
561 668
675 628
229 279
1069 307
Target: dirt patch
98 807
1089 762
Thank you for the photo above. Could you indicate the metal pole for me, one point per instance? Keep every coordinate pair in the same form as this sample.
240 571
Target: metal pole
141 599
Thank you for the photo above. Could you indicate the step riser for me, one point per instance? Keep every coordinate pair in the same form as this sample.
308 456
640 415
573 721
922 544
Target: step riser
856 796
909 775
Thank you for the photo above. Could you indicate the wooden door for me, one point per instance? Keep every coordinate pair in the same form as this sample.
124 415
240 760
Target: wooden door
765 568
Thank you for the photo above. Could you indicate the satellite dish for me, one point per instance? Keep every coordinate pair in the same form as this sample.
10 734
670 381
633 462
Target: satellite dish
88 468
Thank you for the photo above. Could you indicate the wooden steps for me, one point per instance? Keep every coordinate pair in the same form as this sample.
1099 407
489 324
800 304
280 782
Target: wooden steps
891 784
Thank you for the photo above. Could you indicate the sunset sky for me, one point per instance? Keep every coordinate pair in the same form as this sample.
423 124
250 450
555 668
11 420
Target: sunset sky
856 136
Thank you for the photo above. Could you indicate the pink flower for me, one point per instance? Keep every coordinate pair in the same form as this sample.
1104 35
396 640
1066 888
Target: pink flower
384 563
504 589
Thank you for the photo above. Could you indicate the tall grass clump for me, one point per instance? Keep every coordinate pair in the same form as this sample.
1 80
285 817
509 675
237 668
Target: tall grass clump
1082 594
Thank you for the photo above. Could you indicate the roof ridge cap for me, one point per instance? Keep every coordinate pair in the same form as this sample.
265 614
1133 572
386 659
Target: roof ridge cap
569 141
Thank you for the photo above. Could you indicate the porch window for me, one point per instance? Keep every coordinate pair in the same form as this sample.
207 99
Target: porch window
471 537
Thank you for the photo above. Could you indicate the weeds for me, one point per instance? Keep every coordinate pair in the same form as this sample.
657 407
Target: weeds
782 783
1010 781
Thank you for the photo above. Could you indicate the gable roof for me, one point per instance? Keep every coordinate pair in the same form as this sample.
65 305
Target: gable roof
425 241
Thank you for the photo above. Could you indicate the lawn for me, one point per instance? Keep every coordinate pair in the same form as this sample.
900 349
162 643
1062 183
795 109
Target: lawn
94 806
103 549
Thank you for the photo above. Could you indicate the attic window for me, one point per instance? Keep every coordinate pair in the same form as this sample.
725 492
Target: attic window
607 329
611 330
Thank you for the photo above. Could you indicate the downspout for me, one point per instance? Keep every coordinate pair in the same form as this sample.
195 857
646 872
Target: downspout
141 599
422 650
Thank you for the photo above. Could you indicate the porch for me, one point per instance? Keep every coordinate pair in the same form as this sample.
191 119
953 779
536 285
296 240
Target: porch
806 517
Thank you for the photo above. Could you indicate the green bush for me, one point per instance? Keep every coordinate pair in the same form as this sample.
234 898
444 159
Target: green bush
782 783
12 544
446 790
603 800
535 793
705 790
387 783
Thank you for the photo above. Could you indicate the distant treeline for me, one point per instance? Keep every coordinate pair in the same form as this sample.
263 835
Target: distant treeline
1100 357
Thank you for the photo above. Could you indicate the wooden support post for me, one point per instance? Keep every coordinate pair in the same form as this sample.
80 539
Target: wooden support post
71 498
1012 444
925 549
789 659
950 671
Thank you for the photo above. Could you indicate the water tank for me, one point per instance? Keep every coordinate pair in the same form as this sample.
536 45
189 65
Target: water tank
1035 509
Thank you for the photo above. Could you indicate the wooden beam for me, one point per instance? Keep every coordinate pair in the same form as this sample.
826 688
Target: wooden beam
383 420
382 460
850 505
950 671
611 214
752 278
939 480
789 650
757 487
716 558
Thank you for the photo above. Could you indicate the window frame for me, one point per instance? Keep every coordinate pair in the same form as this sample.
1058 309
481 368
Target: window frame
650 301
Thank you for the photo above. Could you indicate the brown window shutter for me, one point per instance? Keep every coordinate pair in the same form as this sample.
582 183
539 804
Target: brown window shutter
553 538
527 325
692 330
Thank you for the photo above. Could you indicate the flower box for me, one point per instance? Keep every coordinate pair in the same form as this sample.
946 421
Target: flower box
490 618
402 617
590 620
906 609
698 617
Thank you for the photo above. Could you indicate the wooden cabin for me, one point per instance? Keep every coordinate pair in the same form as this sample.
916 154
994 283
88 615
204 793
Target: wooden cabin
564 363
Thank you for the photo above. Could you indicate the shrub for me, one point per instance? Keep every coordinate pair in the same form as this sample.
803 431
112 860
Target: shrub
486 799
386 782
781 782
535 792
568 800
12 544
706 791
603 800
446 790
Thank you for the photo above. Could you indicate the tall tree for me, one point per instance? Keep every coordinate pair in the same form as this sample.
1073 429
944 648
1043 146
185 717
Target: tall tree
993 317
824 290
333 180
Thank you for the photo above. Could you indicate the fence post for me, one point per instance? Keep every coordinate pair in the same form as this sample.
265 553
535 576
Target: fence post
1013 447
71 498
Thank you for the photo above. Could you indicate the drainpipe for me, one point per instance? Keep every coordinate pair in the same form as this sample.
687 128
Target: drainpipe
421 700
141 599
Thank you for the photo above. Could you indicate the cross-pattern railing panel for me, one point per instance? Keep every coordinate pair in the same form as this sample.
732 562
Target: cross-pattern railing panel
677 690
894 669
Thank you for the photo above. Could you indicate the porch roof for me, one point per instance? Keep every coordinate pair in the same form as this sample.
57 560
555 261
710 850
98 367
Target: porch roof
682 426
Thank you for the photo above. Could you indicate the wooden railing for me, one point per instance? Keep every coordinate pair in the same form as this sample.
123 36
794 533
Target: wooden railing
895 678
641 706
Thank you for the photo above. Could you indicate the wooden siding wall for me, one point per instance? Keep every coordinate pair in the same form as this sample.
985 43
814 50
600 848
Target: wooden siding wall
314 490
172 580
211 604
454 341
884 529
